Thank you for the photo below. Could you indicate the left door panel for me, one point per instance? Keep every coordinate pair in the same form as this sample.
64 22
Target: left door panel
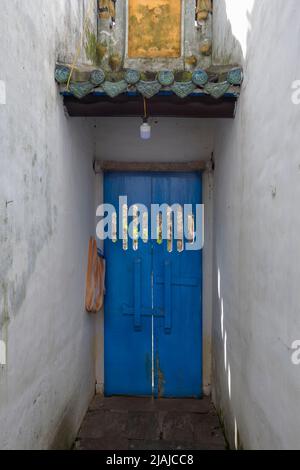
128 305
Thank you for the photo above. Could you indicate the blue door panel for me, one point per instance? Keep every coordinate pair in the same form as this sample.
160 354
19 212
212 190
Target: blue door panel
128 341
177 284
153 307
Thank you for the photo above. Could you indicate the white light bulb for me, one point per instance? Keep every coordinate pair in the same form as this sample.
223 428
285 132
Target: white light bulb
145 131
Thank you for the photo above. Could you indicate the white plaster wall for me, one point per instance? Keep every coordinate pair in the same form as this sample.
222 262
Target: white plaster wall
257 225
173 140
46 173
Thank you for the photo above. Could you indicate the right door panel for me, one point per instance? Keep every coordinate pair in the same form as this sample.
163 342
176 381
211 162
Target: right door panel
177 291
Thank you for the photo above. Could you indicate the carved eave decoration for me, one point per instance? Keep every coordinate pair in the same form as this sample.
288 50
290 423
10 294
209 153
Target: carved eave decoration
131 56
216 81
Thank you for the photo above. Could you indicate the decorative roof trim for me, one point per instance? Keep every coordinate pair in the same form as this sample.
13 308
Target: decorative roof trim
215 82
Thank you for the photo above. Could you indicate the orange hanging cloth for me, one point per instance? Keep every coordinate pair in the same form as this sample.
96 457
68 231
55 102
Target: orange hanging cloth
95 279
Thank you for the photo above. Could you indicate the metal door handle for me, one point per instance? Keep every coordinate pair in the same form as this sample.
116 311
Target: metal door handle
137 295
168 298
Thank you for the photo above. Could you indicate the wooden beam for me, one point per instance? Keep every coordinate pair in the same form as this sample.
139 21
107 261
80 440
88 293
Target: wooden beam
95 105
105 166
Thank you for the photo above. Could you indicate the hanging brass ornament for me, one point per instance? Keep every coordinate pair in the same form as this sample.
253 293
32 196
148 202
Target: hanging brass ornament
204 7
107 9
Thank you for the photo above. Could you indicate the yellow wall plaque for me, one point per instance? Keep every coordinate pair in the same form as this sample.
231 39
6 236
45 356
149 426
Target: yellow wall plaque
154 29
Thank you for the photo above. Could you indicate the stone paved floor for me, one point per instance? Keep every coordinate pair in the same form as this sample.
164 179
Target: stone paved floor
146 424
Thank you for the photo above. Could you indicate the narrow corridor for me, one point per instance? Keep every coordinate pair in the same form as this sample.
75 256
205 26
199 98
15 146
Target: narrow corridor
146 424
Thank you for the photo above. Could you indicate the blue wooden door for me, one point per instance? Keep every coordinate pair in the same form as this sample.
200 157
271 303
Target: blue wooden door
128 330
177 291
153 307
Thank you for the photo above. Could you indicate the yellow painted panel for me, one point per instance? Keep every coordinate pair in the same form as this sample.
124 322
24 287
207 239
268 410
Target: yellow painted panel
154 29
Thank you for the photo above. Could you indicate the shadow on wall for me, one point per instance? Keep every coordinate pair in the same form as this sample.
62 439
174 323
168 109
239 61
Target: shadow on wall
234 37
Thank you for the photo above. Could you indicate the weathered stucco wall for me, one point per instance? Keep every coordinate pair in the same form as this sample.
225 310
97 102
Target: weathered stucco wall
172 139
46 218
257 224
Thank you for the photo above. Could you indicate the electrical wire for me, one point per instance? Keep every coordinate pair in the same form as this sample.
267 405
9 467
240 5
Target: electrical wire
145 109
79 47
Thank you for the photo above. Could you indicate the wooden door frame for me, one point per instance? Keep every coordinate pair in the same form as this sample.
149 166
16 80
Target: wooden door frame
103 166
